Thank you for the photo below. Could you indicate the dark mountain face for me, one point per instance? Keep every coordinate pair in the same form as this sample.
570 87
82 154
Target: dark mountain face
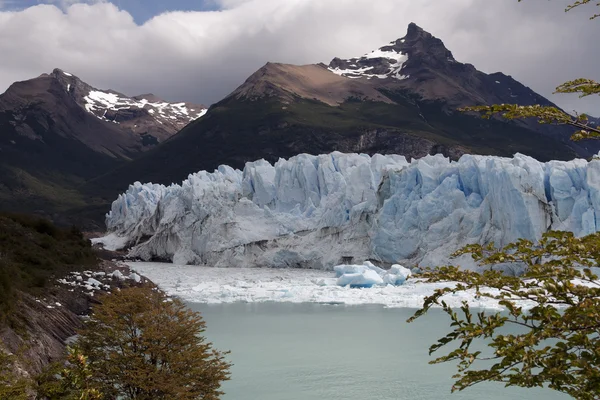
421 65
57 131
106 121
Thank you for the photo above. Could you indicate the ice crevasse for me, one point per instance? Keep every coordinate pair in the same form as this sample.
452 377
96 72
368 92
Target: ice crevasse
321 211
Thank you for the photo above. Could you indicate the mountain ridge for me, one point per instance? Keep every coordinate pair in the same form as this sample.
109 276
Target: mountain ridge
54 137
369 104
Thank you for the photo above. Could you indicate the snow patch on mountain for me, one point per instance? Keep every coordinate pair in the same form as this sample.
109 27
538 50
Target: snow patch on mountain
370 65
99 102
331 209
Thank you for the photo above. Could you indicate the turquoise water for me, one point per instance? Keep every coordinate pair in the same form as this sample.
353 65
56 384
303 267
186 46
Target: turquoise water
286 351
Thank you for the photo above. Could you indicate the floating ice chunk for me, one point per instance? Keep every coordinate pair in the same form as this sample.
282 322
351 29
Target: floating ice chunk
368 275
397 275
366 279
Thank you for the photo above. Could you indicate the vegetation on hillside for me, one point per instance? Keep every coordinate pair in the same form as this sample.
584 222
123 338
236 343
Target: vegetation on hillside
137 344
34 252
12 385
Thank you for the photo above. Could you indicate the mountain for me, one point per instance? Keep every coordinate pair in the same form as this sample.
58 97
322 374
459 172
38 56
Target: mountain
57 131
401 98
331 209
104 120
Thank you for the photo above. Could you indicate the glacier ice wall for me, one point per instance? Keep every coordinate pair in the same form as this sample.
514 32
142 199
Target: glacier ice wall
319 211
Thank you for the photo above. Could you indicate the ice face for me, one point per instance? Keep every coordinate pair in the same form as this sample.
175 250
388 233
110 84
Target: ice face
326 210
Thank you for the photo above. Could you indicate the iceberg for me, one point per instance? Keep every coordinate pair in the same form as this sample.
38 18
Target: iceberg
369 275
339 209
365 279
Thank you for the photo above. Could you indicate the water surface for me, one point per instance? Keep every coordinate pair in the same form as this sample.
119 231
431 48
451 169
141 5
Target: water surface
284 351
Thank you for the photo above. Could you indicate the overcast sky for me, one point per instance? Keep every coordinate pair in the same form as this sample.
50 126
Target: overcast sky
200 50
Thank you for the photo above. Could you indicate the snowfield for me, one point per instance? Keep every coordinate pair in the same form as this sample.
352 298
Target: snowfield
321 211
98 103
196 284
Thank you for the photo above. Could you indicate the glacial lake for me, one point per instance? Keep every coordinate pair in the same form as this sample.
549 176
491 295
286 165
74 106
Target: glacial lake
287 351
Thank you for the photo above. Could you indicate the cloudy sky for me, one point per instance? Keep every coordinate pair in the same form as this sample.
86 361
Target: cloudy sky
200 50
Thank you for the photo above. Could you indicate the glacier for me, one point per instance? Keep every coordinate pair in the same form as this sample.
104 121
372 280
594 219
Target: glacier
331 209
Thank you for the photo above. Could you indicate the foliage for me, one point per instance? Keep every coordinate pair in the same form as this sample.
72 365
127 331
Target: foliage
141 345
12 385
558 344
544 115
72 381
578 3
32 252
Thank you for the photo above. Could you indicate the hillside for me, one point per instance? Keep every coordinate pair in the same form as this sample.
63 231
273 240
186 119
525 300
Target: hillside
57 131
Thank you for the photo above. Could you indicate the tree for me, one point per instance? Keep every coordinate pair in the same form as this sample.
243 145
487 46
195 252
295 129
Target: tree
140 344
72 381
558 344
555 305
12 385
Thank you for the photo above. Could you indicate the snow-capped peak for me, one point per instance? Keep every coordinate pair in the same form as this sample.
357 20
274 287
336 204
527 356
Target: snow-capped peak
112 106
107 105
385 62
398 59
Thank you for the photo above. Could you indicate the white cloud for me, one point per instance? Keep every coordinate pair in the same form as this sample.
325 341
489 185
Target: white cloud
202 56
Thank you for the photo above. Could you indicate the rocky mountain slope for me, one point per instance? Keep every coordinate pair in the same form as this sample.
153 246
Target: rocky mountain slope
57 131
49 278
401 98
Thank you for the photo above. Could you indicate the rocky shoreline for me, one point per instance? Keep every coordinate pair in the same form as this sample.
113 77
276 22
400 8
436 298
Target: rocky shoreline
48 321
